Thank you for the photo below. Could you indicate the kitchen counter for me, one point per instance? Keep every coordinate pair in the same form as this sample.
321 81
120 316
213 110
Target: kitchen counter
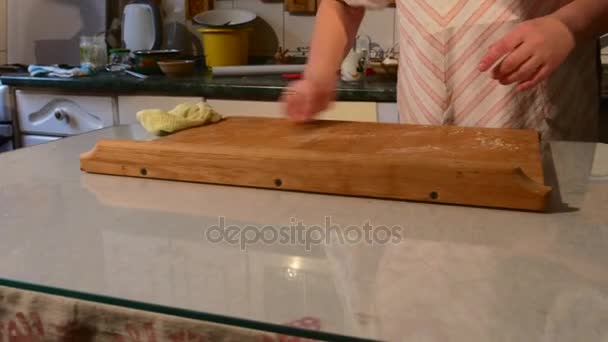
448 272
259 88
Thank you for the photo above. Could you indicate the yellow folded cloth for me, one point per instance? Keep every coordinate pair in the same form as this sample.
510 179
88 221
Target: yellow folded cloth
184 116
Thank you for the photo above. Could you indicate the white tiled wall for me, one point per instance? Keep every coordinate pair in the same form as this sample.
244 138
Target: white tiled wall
380 26
279 28
298 30
269 29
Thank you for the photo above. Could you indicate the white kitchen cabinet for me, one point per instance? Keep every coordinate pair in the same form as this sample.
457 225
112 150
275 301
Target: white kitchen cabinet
128 106
351 111
229 108
64 115
388 113
345 111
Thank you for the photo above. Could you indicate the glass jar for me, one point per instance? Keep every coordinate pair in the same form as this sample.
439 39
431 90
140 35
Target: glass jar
93 52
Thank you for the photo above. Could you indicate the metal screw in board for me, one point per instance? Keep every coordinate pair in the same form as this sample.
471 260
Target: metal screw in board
143 172
434 195
278 182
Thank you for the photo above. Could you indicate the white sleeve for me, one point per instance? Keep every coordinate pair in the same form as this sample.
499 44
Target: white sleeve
371 4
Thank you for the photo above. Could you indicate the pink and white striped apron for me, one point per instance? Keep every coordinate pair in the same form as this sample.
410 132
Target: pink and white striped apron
441 44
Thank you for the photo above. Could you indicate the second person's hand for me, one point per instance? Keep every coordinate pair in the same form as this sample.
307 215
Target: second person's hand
305 99
532 51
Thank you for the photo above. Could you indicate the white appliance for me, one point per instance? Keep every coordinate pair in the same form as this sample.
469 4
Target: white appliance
48 31
141 26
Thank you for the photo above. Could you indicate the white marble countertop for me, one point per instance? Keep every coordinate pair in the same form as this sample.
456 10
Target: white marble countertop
456 273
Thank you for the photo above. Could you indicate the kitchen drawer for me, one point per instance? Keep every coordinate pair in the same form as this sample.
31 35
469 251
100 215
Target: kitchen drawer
247 108
344 111
57 114
128 106
352 111
31 140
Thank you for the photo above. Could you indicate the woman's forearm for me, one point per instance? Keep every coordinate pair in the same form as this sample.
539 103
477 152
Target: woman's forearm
334 34
587 19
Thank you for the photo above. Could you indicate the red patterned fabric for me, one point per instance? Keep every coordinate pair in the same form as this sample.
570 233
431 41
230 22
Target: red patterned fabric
32 317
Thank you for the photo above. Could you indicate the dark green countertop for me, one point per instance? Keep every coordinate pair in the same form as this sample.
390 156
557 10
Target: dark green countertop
260 88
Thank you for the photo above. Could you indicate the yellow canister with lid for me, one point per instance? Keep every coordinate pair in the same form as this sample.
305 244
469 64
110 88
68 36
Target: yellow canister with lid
227 46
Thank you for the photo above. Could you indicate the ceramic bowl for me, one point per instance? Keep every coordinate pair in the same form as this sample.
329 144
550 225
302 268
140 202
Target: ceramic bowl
146 61
177 68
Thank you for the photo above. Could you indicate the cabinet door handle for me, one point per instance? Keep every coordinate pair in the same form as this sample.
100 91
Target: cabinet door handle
60 115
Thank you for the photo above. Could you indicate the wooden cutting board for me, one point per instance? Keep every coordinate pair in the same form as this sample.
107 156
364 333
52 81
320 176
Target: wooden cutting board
469 166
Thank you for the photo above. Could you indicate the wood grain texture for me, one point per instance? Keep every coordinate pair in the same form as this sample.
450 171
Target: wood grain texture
194 7
469 166
301 6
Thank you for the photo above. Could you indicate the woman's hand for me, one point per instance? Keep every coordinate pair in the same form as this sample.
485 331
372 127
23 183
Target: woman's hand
335 30
532 51
305 99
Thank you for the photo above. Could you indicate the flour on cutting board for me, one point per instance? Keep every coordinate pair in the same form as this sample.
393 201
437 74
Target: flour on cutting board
496 143
413 149
458 131
319 136
359 135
